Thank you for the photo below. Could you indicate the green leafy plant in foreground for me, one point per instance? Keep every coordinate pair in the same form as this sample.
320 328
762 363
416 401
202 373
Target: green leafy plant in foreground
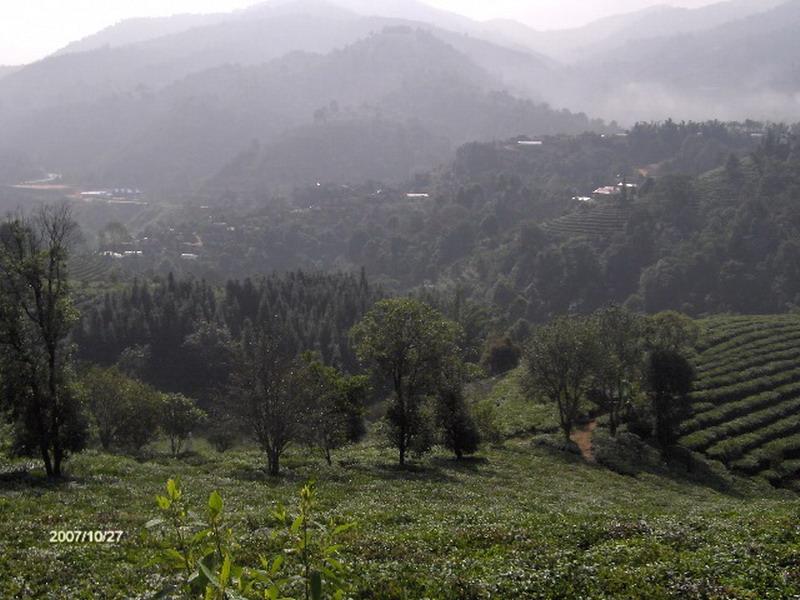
202 549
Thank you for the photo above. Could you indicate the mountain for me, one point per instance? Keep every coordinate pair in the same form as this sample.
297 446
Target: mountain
398 85
610 33
251 37
746 68
7 70
134 31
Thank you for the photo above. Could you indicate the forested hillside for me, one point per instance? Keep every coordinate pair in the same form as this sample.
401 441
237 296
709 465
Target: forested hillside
181 335
710 227
403 94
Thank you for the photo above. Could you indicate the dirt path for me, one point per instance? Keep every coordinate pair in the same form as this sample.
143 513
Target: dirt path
583 438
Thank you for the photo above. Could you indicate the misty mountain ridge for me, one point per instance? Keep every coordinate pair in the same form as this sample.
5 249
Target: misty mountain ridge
180 136
267 32
608 34
744 68
181 106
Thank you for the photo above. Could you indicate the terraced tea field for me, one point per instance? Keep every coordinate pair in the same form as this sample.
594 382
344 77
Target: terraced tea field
89 268
747 397
602 220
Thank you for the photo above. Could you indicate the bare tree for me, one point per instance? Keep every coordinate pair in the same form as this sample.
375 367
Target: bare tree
36 316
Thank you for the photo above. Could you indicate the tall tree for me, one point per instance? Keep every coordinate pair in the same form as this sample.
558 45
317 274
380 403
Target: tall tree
36 316
620 361
333 405
669 376
126 412
406 342
268 393
672 331
180 417
458 430
561 359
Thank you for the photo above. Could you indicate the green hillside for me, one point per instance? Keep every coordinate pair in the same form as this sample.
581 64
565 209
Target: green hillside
603 220
90 268
520 521
747 396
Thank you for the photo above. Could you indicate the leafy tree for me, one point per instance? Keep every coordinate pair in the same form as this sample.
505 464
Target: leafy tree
109 398
501 355
406 342
141 421
620 361
459 431
333 405
36 317
180 417
669 377
208 354
561 358
671 331
125 411
268 391
224 430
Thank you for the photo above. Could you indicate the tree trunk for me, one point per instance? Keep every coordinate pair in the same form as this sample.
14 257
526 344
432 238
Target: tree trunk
58 456
274 463
48 465
55 433
402 450
328 456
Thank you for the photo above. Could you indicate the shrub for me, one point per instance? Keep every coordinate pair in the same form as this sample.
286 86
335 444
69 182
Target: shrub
487 419
223 433
501 355
180 416
202 550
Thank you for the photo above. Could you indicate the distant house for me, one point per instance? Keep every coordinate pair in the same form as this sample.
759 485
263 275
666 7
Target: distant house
613 191
530 143
415 195
189 256
96 195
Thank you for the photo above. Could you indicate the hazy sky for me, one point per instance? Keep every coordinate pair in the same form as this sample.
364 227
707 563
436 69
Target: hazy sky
31 29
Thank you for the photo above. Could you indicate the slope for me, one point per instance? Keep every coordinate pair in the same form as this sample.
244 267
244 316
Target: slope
189 130
747 396
519 521
744 69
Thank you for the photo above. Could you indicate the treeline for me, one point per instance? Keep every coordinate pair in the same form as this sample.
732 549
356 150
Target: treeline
249 350
713 216
722 241
181 334
633 370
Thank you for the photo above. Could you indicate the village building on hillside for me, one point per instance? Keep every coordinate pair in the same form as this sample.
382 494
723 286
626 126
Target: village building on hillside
615 191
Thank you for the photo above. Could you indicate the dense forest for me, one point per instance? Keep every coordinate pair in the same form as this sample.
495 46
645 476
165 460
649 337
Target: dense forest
510 225
180 335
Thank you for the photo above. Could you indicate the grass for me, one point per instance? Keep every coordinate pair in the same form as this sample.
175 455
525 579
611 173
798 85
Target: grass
516 414
519 521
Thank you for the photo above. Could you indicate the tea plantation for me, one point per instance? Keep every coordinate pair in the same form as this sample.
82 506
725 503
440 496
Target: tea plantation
747 396
523 520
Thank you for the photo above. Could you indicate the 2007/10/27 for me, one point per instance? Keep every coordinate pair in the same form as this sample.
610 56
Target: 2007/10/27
79 536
